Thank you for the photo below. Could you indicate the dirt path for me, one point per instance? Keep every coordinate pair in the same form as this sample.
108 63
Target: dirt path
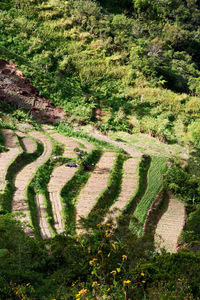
170 226
69 144
128 188
42 215
131 151
96 184
23 178
59 178
6 158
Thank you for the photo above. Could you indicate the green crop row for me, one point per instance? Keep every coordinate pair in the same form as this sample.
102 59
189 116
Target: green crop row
142 170
154 181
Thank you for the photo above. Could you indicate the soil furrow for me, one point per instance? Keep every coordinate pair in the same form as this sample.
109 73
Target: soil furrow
96 184
6 158
42 215
59 178
128 188
170 226
69 144
23 178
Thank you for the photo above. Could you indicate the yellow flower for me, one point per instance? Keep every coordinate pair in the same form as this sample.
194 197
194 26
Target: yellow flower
124 257
99 251
114 272
143 281
108 289
92 261
142 274
94 283
107 224
81 292
126 282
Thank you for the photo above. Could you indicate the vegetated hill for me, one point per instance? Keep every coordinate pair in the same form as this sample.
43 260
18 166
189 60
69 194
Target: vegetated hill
104 261
125 65
121 65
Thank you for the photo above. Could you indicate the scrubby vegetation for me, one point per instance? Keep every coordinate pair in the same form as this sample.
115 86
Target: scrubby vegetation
125 65
131 66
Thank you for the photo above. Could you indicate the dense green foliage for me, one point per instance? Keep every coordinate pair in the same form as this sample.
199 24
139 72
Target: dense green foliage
111 62
100 265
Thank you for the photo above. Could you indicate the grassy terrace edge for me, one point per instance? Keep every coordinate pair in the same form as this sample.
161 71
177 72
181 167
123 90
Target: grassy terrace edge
68 130
154 184
142 171
38 184
21 161
110 193
73 187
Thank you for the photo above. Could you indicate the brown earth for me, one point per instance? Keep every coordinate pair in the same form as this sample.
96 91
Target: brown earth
59 178
170 226
128 188
15 88
96 184
42 217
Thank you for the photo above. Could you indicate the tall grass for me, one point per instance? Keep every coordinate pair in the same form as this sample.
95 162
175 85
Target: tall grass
154 180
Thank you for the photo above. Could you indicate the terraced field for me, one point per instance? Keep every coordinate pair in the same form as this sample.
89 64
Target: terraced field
116 182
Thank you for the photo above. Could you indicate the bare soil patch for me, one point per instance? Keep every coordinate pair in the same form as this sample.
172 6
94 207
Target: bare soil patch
42 216
96 184
59 178
170 226
128 188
